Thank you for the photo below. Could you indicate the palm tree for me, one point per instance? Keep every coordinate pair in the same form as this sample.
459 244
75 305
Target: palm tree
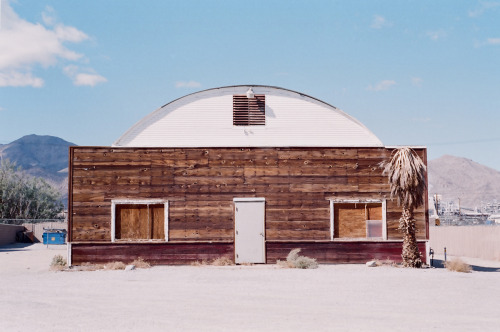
406 173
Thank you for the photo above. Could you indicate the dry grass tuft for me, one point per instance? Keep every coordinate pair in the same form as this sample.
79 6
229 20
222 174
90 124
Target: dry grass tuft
199 263
386 262
458 265
114 266
58 263
222 261
117 265
140 263
293 260
88 267
219 261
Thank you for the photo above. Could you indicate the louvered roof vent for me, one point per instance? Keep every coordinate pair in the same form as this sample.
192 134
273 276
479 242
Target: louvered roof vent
249 111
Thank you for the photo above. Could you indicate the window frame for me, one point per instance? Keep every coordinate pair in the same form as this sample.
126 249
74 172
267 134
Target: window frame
116 202
358 201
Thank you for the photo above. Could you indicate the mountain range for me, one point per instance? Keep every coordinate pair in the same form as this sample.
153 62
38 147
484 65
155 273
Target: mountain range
452 177
41 156
460 178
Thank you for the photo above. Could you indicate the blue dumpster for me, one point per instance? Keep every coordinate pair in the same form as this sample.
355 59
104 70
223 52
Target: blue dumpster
54 237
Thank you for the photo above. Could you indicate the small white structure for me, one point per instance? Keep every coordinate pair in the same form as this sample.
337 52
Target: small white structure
206 119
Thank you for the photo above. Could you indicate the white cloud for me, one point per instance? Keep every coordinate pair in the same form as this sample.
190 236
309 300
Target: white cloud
416 81
483 6
2 109
48 16
83 77
189 84
438 34
89 79
381 86
488 41
27 45
493 41
16 78
380 22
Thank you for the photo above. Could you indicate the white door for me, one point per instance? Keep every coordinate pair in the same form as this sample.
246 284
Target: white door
249 241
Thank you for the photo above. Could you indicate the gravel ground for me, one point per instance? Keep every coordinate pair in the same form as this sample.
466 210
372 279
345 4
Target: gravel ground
243 298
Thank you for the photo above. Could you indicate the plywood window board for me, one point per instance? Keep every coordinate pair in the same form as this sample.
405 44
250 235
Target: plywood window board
249 111
358 220
139 220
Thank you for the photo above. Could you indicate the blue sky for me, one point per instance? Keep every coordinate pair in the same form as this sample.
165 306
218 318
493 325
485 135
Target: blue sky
414 72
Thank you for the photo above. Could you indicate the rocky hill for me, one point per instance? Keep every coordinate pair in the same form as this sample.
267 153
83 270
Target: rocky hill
41 156
456 177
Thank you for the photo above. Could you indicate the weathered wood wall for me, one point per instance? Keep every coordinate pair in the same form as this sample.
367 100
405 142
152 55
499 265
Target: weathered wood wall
154 253
200 184
341 252
185 253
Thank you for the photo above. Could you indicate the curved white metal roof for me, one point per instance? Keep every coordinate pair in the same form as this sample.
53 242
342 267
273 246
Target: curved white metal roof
205 119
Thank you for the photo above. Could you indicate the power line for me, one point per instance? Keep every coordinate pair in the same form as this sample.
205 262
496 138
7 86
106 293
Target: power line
483 140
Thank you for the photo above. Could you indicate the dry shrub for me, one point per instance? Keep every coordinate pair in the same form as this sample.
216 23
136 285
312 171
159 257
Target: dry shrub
222 261
58 263
141 263
458 265
115 266
293 260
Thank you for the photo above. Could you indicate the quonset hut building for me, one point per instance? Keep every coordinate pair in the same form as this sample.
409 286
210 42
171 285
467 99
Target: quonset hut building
245 172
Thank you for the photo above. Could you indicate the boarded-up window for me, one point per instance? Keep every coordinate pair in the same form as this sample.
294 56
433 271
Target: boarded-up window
140 221
249 111
357 220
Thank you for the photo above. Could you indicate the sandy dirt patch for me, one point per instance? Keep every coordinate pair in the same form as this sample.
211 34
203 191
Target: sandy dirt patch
242 298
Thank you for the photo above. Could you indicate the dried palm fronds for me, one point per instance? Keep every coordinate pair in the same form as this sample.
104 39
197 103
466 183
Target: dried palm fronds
406 174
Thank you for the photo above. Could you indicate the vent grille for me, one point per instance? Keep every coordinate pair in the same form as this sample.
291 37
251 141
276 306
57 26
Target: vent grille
249 111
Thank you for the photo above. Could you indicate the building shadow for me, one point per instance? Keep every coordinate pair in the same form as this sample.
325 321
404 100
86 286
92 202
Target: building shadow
15 247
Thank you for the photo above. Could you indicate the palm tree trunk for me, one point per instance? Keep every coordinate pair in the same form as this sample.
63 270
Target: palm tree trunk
410 255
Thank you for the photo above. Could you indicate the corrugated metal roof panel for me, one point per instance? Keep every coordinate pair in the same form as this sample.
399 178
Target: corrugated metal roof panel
205 119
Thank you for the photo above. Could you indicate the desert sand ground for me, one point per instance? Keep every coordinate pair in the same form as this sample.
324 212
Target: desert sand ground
243 298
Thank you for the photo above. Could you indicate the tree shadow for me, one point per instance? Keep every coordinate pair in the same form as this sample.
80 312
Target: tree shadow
439 264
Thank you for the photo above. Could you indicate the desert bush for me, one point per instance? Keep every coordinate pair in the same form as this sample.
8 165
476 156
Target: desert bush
58 263
303 262
458 265
140 263
293 260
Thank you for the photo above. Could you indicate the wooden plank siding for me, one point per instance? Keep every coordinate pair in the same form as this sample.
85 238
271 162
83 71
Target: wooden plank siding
154 253
185 253
200 184
341 252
